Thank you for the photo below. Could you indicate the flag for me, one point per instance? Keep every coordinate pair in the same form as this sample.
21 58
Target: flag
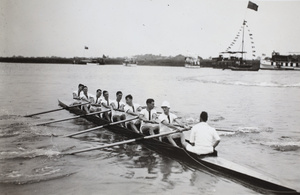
85 47
252 5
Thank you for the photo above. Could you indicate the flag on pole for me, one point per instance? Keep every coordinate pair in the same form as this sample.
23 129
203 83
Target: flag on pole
85 47
252 5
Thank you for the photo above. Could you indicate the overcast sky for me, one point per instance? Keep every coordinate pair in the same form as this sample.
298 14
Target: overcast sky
129 27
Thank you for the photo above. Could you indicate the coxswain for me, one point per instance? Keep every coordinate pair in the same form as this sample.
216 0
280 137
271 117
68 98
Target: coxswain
96 106
105 103
118 108
148 117
86 97
167 123
203 138
134 110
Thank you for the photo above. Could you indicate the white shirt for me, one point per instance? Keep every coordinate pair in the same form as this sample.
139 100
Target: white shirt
163 117
97 101
130 108
117 106
104 102
145 113
204 138
89 98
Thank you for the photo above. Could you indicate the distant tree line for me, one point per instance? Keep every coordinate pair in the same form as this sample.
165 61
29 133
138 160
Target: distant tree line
158 60
147 59
53 60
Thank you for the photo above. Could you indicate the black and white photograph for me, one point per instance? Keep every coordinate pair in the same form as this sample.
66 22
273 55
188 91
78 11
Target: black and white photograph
137 97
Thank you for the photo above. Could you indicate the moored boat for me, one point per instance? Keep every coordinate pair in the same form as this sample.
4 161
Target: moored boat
131 62
217 165
280 62
192 62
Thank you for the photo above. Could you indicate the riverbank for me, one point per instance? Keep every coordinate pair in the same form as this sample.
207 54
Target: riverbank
147 59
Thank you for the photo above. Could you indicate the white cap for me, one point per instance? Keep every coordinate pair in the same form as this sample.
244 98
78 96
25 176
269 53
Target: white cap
165 104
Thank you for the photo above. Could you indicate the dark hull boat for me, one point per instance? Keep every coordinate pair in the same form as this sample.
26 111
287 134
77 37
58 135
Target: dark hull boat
212 164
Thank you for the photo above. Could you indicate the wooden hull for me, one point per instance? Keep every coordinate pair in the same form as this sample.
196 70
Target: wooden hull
243 68
217 165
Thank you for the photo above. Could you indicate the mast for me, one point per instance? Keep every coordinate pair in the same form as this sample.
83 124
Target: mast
243 39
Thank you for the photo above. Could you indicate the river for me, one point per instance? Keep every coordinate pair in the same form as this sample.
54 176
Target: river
262 107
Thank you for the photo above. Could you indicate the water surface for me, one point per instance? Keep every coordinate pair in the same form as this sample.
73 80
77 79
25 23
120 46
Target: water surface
263 107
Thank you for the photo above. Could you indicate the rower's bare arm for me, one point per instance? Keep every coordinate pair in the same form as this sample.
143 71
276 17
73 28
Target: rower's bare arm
113 106
132 113
75 96
139 109
216 143
105 106
169 125
143 118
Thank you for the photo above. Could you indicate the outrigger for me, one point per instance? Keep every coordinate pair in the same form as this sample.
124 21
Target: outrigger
211 163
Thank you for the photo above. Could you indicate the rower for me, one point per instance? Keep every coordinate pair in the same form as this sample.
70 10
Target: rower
106 104
76 94
132 109
96 106
87 97
148 117
203 138
118 107
167 124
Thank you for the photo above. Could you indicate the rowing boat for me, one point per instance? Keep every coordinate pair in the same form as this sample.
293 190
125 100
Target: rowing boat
212 164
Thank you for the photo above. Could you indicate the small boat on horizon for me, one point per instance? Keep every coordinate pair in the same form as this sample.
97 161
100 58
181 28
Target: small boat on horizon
192 62
130 62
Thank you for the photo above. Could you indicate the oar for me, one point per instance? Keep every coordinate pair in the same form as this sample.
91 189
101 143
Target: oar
30 115
65 119
225 130
125 142
99 127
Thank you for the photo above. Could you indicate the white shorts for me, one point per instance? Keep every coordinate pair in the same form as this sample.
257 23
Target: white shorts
199 149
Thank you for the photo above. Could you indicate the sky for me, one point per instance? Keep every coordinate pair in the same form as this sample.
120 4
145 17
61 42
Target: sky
119 28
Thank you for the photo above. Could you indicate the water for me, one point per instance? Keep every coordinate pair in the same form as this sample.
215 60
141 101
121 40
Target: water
263 107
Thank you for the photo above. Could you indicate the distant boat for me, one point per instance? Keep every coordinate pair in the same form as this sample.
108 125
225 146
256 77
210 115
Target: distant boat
236 60
280 62
131 62
192 62
235 63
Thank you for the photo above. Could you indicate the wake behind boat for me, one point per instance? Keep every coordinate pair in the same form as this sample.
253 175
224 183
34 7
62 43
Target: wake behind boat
214 164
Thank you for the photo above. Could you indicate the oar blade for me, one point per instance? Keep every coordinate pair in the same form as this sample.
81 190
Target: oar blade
54 110
65 119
